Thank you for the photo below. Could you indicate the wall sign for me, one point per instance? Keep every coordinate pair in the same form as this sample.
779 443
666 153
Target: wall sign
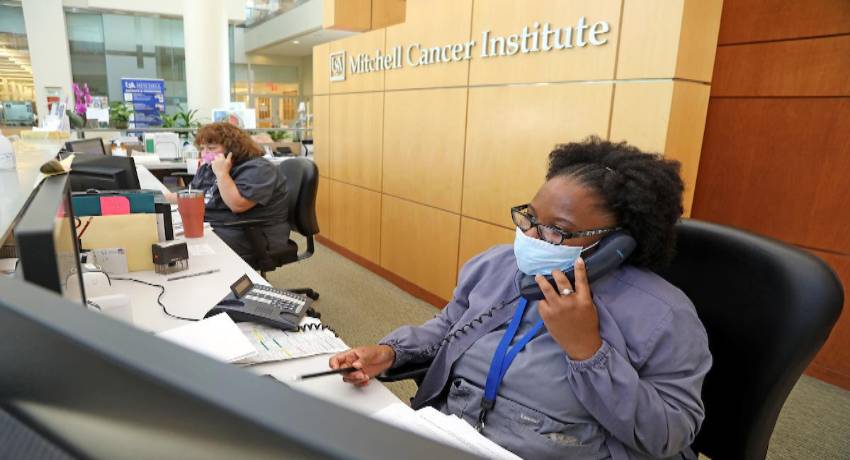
538 38
148 98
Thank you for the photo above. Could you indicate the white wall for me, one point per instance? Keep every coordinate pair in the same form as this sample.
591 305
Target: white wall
48 47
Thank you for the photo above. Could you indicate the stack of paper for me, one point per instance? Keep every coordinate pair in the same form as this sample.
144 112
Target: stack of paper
445 429
273 344
216 336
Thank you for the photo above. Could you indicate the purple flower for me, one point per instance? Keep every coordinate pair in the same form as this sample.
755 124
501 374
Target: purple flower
82 98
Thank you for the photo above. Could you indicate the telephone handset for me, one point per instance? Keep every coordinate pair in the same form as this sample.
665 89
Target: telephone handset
611 252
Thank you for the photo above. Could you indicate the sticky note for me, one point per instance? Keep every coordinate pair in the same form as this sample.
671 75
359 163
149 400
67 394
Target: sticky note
114 205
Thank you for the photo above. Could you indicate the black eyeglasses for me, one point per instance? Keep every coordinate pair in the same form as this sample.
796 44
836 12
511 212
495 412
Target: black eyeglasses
549 233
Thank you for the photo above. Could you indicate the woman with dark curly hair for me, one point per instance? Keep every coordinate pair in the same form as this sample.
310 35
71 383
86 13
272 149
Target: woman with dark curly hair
608 369
239 184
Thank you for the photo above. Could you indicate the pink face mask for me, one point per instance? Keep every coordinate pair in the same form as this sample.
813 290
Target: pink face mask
207 157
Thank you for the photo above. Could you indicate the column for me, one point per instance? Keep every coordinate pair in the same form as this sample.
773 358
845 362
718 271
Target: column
47 40
207 55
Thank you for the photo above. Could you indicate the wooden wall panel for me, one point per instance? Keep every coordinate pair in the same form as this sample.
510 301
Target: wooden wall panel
420 27
387 12
321 74
747 21
658 117
423 146
322 133
323 207
641 114
669 38
811 67
476 237
354 15
778 167
654 54
698 39
506 17
775 152
353 46
355 218
420 244
510 132
356 138
836 351
684 137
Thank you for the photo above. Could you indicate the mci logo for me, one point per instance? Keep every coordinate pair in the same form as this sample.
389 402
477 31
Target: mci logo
337 66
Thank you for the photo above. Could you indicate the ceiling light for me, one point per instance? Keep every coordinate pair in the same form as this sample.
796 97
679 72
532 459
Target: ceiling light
295 41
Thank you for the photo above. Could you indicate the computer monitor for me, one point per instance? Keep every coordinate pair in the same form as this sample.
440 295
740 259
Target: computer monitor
100 388
86 146
46 238
103 173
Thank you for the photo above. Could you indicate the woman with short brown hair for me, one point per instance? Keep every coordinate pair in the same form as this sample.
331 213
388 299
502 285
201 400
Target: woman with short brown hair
239 184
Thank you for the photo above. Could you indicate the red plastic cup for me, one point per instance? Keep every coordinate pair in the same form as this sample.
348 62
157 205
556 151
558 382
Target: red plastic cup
190 205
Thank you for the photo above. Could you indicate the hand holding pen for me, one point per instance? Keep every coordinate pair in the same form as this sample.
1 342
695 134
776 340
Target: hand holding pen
368 361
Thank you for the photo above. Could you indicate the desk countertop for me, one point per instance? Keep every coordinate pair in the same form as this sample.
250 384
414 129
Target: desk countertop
16 185
192 297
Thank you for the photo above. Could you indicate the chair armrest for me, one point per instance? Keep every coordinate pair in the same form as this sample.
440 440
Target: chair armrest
415 371
241 223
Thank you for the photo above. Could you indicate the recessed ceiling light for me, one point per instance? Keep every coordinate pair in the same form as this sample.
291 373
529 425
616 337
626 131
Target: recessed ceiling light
295 41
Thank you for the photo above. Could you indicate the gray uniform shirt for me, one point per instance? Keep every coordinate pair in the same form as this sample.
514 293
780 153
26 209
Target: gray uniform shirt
637 397
259 181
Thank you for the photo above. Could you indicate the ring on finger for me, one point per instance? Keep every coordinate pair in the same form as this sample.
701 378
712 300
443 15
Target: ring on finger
566 291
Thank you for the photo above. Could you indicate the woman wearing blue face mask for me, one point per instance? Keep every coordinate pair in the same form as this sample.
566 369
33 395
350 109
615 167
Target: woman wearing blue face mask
239 184
612 369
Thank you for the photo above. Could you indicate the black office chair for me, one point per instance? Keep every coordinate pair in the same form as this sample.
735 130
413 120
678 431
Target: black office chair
767 308
302 183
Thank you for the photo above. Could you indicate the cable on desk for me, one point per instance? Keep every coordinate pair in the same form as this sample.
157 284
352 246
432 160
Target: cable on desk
158 298
317 327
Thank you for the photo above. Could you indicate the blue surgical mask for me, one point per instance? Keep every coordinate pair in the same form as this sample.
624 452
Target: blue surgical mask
537 257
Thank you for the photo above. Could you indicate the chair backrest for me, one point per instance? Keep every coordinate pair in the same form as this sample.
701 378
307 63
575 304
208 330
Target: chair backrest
767 308
302 183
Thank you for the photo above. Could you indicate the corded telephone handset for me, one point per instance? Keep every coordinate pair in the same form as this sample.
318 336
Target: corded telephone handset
611 252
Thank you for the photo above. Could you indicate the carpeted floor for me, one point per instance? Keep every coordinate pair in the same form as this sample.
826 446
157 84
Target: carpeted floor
363 307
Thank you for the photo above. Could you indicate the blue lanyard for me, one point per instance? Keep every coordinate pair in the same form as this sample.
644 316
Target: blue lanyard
503 358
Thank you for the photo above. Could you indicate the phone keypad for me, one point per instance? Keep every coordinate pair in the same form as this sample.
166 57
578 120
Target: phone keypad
287 302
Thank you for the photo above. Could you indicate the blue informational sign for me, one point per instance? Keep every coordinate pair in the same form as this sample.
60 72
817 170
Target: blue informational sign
148 98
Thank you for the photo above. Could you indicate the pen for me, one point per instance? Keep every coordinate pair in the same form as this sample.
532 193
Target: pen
341 370
193 274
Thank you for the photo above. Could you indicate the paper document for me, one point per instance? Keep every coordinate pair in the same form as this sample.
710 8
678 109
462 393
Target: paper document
273 344
445 429
148 181
216 336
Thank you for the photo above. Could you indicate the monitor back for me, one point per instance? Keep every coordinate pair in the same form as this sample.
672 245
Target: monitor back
104 173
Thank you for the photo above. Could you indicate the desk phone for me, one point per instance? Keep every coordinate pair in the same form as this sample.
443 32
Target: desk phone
263 304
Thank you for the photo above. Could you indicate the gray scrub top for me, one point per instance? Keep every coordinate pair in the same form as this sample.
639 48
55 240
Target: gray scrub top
259 181
565 425
638 397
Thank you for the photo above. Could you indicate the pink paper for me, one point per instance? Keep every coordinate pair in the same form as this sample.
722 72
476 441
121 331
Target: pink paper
113 205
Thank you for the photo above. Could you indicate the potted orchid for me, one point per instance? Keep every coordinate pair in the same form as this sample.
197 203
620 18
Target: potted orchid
82 99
